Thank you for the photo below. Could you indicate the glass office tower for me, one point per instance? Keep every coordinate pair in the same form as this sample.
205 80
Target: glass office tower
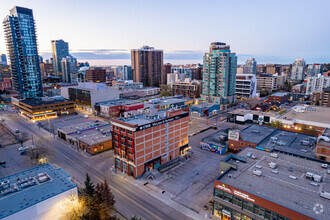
60 50
21 40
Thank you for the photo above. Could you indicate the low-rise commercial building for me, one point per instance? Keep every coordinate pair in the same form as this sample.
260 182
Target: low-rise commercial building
267 82
246 86
280 97
116 107
204 110
191 89
45 108
256 184
37 193
323 146
92 137
216 142
272 139
145 142
85 95
174 102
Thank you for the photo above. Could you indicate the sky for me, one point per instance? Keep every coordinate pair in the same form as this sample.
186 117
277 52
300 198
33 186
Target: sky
104 31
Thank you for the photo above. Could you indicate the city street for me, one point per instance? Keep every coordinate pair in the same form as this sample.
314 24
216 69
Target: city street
130 200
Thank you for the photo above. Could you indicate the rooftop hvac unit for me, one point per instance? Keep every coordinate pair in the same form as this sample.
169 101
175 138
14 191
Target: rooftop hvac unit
317 178
274 139
303 150
275 171
274 155
253 156
249 154
273 165
292 177
304 142
314 184
309 175
257 172
258 166
324 165
325 195
255 131
328 171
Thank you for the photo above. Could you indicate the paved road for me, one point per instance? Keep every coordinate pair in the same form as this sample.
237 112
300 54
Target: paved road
130 200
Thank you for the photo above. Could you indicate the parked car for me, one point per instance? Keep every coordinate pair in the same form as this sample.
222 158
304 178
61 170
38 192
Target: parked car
22 148
2 162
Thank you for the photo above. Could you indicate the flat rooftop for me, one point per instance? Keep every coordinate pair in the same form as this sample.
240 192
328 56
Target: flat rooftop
296 194
89 125
217 138
291 142
204 105
327 134
145 119
314 115
245 111
279 94
95 136
29 188
117 102
256 133
44 101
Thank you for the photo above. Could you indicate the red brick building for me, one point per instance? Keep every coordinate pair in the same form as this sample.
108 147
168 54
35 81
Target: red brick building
143 142
278 97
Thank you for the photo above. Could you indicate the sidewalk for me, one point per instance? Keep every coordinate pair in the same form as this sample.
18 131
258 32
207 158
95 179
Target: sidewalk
157 193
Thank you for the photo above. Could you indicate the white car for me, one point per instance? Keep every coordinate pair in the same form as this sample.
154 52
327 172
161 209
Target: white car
22 148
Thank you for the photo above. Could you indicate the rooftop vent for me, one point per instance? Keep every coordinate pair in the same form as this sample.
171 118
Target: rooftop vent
292 177
273 165
325 195
255 131
257 172
258 166
274 155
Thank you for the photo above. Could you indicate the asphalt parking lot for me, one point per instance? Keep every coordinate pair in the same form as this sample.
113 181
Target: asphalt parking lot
191 183
63 121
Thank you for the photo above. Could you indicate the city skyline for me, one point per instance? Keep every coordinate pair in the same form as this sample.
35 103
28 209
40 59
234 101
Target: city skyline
182 31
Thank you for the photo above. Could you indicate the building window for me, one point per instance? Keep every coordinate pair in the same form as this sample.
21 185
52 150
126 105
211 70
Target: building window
323 150
259 210
218 193
117 163
237 201
131 170
95 149
124 166
248 206
227 197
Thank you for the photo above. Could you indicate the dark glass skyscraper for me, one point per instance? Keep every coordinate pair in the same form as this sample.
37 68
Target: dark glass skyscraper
20 35
60 50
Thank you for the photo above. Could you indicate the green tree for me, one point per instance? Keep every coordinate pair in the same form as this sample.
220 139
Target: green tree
104 199
89 188
165 93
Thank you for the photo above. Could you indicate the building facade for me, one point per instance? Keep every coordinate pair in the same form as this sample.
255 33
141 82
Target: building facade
44 108
317 84
143 142
246 85
60 50
250 66
96 74
21 40
69 67
147 65
314 69
167 68
298 70
321 98
3 59
191 89
267 82
219 75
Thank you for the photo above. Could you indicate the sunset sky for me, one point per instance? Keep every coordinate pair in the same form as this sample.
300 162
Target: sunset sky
104 31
